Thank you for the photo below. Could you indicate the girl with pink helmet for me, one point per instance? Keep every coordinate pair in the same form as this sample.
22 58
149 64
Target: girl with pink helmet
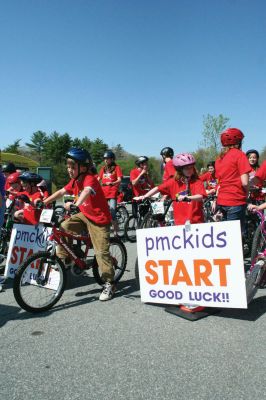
186 188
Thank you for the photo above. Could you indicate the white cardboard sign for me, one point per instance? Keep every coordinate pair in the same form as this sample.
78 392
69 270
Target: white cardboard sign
25 240
201 264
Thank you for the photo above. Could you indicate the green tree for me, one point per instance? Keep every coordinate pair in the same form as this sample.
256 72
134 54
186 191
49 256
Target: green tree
98 147
84 143
119 151
13 148
202 157
38 142
212 128
56 147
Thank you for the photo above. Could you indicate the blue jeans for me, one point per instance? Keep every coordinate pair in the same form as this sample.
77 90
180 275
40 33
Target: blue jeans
232 213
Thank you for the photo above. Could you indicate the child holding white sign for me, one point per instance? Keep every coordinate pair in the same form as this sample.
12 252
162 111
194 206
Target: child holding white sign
186 188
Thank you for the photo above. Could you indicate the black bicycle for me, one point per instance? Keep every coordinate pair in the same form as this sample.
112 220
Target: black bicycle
135 220
122 215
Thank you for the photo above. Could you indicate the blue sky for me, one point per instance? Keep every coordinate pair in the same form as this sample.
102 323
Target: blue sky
141 73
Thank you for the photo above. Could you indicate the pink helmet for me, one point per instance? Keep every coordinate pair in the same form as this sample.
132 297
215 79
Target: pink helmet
231 136
183 159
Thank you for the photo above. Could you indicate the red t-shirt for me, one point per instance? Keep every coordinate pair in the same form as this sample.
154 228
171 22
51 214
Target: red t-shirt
183 211
261 172
7 186
32 196
144 183
255 190
95 207
110 192
169 170
211 181
228 170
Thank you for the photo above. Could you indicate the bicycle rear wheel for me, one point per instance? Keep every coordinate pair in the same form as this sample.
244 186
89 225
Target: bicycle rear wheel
118 254
39 282
130 229
121 217
137 272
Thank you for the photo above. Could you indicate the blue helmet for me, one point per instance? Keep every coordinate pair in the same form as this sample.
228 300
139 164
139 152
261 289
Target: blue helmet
81 156
30 177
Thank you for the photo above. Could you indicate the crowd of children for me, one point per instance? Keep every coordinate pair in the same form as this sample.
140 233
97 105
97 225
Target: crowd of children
227 179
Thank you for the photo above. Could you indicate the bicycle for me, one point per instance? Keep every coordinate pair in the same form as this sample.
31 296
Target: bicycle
122 215
134 222
256 275
259 238
159 215
5 231
207 208
41 280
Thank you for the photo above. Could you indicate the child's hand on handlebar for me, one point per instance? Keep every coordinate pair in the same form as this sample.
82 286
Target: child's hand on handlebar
68 205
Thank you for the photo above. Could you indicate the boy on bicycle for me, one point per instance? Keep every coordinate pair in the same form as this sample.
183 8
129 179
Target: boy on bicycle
94 215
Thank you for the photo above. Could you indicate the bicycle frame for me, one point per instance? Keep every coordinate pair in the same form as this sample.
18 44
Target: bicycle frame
58 237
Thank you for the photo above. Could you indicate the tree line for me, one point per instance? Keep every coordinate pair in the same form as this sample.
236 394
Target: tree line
50 150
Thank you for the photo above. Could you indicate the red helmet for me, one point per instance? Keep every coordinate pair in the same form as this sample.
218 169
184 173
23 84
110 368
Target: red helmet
183 159
231 136
14 178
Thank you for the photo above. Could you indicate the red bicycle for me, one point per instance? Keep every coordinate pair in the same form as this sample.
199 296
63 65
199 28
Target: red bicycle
41 280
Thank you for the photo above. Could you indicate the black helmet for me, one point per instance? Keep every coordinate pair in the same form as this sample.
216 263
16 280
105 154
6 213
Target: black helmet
109 154
81 156
30 177
9 168
211 164
167 152
141 159
252 151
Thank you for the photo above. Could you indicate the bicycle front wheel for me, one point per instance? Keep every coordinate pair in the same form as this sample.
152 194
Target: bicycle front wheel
150 222
130 229
39 282
118 254
258 244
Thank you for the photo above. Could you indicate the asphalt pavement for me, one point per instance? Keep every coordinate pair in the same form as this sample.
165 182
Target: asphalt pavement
124 349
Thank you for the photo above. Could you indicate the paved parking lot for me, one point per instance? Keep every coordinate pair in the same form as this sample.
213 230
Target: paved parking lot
123 349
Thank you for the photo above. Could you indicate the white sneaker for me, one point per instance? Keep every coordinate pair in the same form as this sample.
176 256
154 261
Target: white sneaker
108 292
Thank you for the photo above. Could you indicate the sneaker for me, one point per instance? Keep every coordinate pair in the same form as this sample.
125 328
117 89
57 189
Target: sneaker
108 292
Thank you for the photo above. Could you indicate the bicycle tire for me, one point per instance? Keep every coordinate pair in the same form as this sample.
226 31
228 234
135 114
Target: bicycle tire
150 222
119 257
253 279
130 229
4 244
25 291
137 273
121 216
258 243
